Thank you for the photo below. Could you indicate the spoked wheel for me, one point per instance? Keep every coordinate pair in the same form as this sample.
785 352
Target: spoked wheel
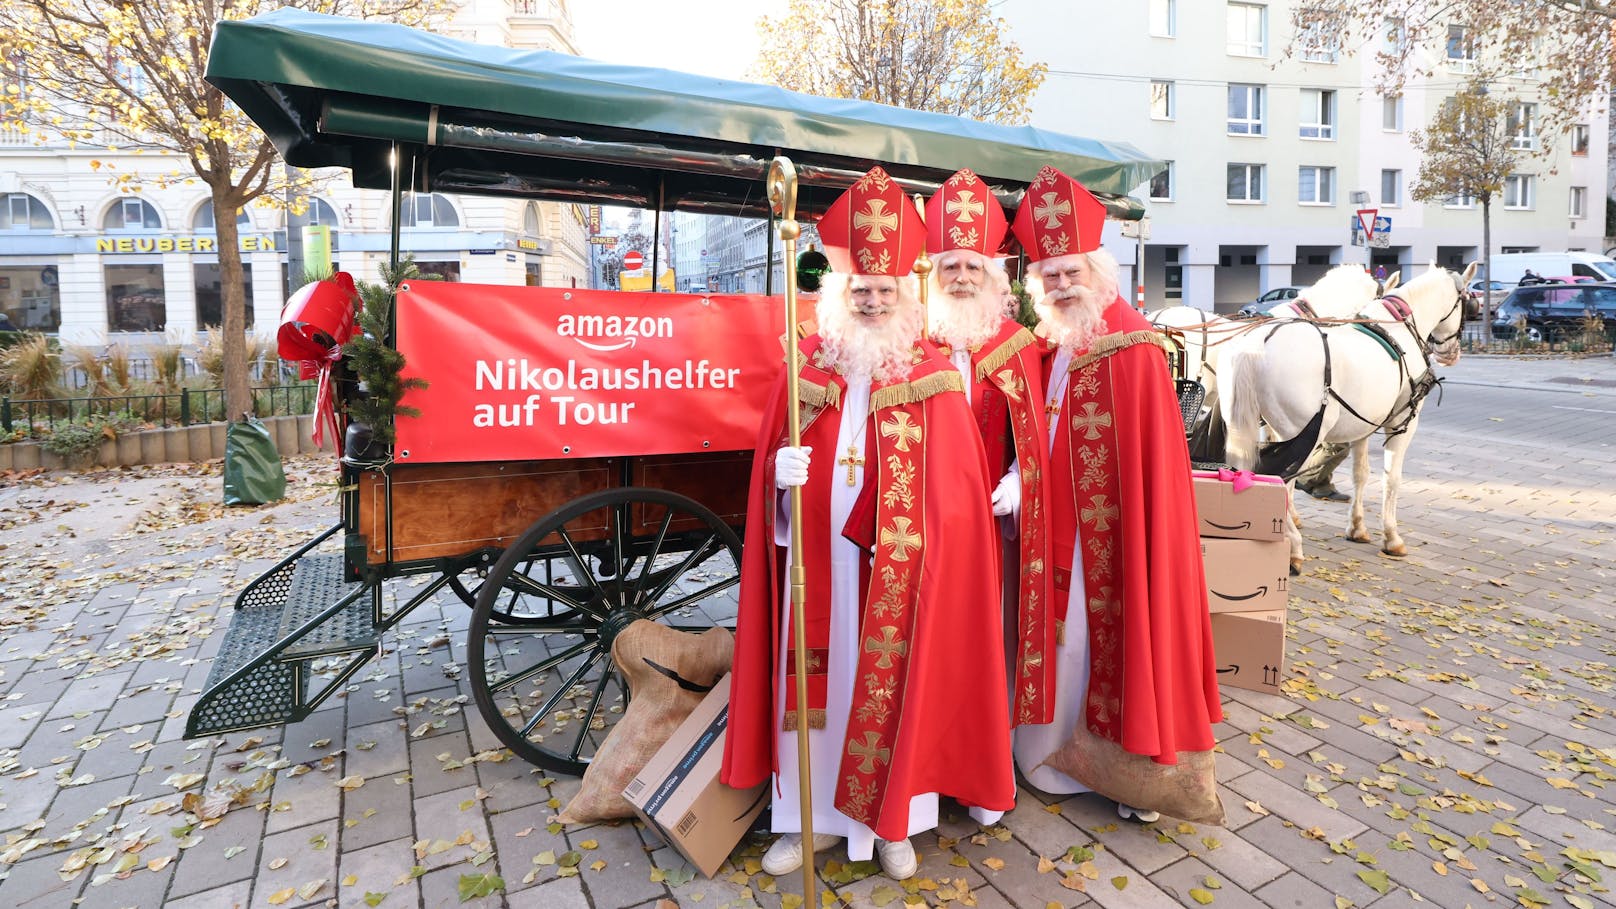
546 616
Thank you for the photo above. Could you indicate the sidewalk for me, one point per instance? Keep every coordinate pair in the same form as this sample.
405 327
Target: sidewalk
1446 732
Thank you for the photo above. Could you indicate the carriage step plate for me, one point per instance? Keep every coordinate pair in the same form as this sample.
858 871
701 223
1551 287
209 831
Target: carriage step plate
317 585
267 695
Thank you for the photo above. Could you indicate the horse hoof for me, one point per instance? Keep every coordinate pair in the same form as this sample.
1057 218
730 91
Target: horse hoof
1397 552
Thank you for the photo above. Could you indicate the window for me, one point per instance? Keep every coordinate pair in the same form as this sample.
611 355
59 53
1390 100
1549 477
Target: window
1164 18
1315 185
1391 188
1461 51
1161 100
135 298
23 212
1522 126
210 293
1161 185
1579 139
1245 183
1314 39
204 218
1391 113
1518 191
1317 116
1245 110
1460 200
130 213
1248 30
427 210
1579 201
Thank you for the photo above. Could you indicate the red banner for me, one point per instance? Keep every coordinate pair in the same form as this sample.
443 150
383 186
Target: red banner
520 373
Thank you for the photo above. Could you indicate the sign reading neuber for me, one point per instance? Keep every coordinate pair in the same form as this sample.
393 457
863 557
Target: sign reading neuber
531 373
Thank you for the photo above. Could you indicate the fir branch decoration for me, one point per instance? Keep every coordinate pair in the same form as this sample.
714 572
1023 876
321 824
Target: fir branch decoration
375 363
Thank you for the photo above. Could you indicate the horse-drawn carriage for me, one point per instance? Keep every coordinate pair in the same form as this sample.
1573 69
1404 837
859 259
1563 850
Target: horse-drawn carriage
557 536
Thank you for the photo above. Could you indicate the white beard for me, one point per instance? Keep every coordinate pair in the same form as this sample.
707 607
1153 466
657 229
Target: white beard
1075 326
967 322
884 352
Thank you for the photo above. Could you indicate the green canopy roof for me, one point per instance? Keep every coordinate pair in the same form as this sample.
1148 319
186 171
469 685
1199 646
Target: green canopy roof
338 92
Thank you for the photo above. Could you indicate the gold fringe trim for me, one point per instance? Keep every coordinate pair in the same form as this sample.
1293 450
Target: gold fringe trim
1001 355
1110 344
817 396
918 390
816 720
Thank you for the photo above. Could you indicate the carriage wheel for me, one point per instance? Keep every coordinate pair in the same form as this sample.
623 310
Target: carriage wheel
546 616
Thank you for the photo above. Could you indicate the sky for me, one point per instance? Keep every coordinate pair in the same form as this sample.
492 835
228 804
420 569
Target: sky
707 37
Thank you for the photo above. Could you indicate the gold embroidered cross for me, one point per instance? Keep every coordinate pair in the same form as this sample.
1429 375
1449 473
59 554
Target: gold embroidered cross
869 752
852 460
887 646
1050 211
877 219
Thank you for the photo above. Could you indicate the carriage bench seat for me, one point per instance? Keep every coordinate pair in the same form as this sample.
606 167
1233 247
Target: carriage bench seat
300 610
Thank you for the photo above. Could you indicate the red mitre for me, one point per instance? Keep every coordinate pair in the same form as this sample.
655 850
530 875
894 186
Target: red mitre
1058 217
873 229
963 214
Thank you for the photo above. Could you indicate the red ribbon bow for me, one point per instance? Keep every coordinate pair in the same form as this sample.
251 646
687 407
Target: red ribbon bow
1241 480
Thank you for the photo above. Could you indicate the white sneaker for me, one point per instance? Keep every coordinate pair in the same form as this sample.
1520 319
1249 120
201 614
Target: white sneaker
898 859
1144 817
785 856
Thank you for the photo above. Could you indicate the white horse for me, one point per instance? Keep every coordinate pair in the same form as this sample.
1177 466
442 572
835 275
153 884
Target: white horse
1311 383
1201 335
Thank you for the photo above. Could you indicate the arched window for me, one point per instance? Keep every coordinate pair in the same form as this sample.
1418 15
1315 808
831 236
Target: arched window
130 213
204 218
319 213
530 221
427 210
24 212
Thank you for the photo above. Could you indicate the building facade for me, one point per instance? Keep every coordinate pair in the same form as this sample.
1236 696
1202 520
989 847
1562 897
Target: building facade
94 264
1270 157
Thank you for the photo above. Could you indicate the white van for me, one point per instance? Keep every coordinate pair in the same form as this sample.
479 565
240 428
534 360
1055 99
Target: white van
1510 267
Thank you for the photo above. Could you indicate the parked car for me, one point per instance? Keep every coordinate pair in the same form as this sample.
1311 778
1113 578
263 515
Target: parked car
1547 312
1267 301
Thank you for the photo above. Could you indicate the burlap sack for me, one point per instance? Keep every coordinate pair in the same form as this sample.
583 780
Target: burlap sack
657 705
1186 790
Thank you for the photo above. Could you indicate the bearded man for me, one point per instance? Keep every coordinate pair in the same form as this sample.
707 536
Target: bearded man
1134 660
905 671
970 317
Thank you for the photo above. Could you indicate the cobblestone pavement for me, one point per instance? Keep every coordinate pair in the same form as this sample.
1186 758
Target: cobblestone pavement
1445 733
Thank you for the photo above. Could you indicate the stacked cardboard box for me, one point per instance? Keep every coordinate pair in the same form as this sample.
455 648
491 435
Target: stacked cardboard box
1247 575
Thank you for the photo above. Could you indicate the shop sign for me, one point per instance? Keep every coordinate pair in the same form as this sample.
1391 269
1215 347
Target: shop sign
177 244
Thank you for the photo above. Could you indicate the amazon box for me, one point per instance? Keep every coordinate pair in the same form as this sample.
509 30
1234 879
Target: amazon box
1250 649
1256 512
679 795
1246 575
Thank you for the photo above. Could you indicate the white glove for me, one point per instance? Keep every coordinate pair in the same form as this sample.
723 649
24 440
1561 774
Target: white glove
791 466
1007 498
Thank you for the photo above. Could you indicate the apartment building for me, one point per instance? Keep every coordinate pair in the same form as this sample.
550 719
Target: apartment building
1270 156
92 264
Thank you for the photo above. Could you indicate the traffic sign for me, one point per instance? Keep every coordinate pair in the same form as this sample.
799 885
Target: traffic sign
633 260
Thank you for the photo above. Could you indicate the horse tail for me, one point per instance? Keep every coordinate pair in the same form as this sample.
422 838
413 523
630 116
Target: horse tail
1239 403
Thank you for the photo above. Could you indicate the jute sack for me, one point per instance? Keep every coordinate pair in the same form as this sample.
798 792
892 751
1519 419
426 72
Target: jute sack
1187 790
668 673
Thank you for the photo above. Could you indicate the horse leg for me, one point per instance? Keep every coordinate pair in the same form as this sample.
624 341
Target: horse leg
1357 532
1293 530
1396 451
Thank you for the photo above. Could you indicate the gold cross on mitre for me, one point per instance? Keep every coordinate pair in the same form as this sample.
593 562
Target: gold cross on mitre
852 460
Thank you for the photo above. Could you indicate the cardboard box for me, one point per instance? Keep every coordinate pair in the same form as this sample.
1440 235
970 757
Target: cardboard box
678 793
1254 513
1246 575
1250 649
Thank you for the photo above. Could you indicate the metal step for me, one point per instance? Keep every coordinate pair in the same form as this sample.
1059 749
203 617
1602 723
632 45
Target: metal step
317 584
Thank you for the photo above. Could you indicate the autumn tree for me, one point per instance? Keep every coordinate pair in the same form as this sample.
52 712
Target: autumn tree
1560 49
1468 151
128 73
947 56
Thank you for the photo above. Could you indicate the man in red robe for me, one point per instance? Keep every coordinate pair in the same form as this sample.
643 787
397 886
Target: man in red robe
905 671
1134 658
971 320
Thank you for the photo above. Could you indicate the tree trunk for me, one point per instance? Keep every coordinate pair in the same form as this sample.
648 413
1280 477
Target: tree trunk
237 396
1487 271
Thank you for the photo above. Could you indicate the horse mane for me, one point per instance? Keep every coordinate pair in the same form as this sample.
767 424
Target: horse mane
1341 293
